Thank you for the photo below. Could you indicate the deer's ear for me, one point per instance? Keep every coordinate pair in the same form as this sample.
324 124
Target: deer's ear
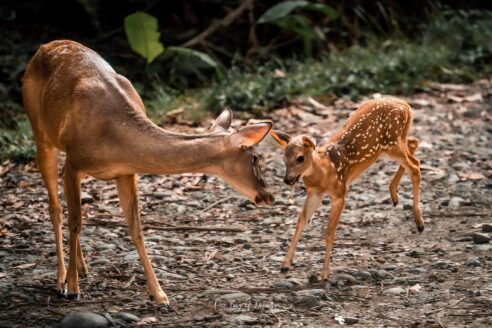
309 142
223 121
280 137
250 135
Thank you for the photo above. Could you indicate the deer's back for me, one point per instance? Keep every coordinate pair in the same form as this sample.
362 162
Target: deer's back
71 94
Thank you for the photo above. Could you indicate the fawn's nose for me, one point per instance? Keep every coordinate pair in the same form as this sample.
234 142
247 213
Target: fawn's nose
289 180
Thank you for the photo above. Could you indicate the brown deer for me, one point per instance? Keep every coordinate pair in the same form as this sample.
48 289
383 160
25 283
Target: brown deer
378 127
78 104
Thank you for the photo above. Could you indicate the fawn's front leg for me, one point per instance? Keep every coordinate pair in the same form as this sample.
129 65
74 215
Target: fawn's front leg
311 204
127 191
337 204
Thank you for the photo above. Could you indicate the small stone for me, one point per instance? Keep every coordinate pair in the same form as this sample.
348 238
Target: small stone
85 197
350 320
100 262
84 320
283 284
480 238
363 275
346 278
414 254
473 263
307 301
394 291
127 317
417 270
321 293
455 202
383 274
244 319
486 227
235 297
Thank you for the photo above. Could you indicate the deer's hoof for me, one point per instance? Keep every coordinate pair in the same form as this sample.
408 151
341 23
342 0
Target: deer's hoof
395 202
61 293
421 229
74 296
284 269
165 308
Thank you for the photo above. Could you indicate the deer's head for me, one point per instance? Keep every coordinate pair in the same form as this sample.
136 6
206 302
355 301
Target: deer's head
240 163
298 155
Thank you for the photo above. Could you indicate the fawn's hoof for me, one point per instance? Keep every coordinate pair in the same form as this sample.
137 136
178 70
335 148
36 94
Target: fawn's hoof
395 202
284 269
165 308
74 296
421 229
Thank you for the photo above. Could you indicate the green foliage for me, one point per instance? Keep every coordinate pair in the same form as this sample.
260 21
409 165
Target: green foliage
142 33
193 53
17 144
281 15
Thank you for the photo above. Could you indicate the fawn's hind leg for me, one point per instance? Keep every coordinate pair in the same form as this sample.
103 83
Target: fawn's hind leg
407 160
412 144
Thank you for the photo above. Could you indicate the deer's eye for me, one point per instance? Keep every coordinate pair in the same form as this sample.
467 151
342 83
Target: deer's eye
254 159
300 159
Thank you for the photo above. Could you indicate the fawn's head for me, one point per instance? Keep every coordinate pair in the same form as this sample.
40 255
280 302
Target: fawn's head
298 156
240 163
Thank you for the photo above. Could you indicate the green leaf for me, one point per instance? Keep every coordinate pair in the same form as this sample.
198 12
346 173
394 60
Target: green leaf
280 10
283 9
329 11
142 33
193 53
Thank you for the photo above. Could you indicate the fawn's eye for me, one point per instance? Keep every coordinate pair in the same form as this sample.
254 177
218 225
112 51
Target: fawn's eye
300 159
254 159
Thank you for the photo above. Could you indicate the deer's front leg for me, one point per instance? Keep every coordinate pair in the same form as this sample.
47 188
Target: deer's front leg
311 204
337 204
72 179
127 191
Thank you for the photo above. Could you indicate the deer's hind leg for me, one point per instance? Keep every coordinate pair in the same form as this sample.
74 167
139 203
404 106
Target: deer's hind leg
404 155
412 144
47 156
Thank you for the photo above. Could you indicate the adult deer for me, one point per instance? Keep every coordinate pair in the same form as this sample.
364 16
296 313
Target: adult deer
78 104
378 127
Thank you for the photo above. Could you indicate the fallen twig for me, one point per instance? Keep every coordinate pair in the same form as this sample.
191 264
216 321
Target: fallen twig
446 307
216 203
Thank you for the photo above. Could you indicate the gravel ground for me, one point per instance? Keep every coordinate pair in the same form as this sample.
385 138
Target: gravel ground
384 273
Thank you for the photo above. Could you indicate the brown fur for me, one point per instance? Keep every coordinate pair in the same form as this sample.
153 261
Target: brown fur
78 104
378 127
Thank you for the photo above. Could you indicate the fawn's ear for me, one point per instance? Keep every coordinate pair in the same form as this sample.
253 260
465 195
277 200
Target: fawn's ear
250 135
309 142
281 137
223 121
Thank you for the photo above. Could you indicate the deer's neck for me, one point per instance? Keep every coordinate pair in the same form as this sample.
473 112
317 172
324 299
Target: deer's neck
157 151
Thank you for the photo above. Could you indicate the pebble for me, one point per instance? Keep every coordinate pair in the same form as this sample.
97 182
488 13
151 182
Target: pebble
235 297
346 278
486 227
125 316
350 320
363 275
417 270
473 263
394 291
283 284
480 238
307 301
243 319
85 197
383 274
321 293
455 202
84 320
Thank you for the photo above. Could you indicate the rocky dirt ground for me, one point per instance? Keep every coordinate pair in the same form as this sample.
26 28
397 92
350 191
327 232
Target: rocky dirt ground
384 273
